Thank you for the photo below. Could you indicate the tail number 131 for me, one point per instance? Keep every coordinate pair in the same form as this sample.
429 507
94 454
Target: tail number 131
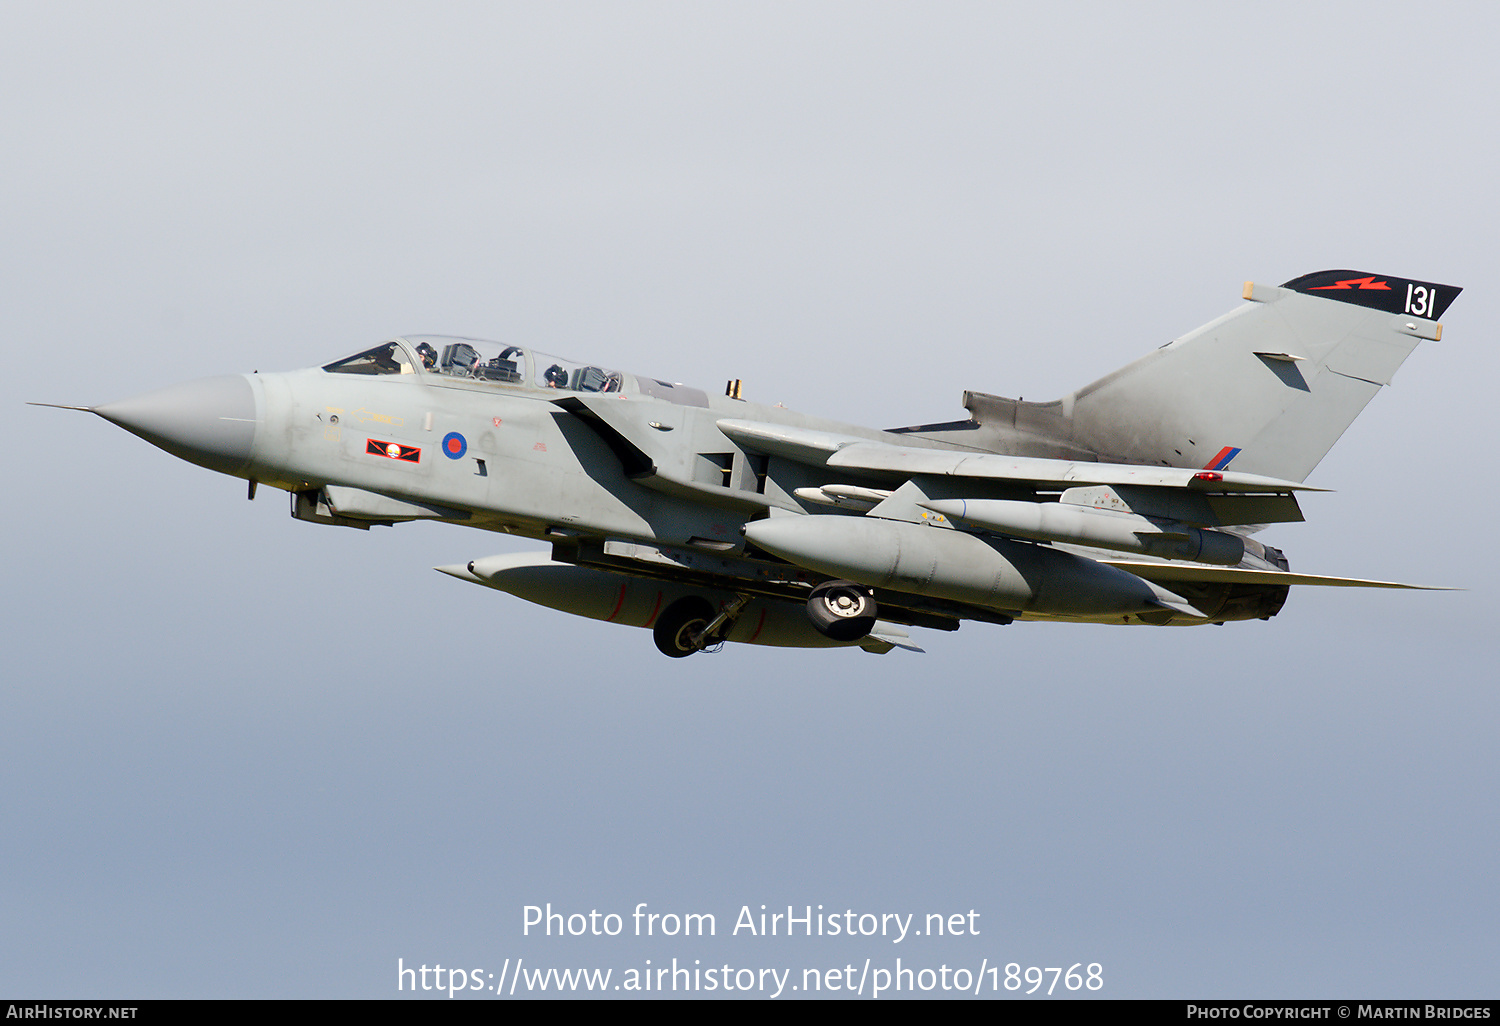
1420 299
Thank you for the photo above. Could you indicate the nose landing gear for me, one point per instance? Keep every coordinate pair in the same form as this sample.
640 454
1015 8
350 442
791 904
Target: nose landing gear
689 625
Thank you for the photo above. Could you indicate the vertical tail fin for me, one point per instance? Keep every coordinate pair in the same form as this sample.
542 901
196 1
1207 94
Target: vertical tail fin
1269 386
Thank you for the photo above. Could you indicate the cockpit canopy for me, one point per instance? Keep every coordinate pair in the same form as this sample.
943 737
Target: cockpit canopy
447 359
480 361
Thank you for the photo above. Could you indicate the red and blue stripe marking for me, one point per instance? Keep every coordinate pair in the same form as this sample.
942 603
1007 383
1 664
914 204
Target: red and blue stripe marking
1221 461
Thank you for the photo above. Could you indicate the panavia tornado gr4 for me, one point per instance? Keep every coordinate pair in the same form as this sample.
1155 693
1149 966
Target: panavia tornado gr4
707 518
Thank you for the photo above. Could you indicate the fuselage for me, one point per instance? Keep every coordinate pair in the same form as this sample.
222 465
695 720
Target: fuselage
634 476
501 449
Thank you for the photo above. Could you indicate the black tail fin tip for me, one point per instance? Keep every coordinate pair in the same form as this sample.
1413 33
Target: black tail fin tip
1380 292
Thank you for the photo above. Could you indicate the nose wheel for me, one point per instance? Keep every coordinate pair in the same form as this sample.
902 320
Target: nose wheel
842 610
680 625
691 625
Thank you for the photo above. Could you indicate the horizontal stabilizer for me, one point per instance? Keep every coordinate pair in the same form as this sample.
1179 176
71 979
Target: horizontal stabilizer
1234 575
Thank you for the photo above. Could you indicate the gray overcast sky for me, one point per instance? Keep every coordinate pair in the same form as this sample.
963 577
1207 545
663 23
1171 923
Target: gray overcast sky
246 756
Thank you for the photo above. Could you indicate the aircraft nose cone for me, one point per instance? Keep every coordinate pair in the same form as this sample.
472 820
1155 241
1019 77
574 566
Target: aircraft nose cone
210 422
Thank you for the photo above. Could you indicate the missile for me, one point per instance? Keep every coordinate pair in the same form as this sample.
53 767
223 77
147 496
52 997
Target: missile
995 573
847 496
1105 529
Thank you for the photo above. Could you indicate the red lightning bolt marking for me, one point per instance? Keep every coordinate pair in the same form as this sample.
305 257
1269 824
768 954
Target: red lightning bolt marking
1363 283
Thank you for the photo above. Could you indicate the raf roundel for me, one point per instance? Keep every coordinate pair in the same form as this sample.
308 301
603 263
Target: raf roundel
454 445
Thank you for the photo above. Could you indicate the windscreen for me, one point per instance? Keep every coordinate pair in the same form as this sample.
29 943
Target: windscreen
386 358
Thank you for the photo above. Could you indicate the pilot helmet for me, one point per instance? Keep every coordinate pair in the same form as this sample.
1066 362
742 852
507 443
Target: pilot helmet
428 354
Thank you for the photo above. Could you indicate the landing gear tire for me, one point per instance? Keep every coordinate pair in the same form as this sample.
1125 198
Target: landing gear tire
842 610
679 623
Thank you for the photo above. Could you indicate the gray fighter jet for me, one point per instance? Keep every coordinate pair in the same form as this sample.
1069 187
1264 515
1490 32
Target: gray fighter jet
708 518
